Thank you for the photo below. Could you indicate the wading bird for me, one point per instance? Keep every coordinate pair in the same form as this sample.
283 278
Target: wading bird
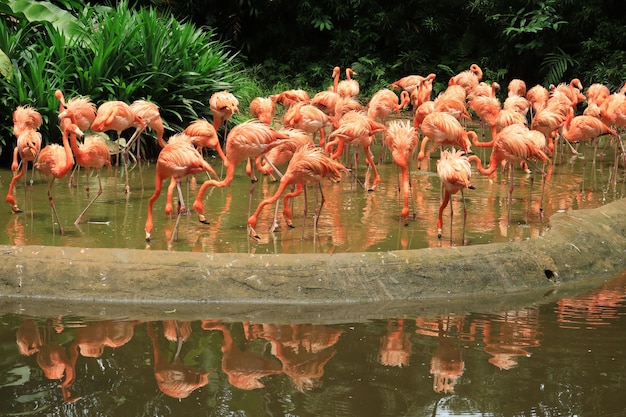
55 161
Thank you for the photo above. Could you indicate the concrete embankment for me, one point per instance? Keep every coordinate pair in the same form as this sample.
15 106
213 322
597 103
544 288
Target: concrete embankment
580 247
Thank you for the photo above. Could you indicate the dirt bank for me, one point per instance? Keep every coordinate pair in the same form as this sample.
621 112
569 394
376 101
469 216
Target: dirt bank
581 247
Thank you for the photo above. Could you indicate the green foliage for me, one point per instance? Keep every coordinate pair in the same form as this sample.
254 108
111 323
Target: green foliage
555 65
116 54
6 68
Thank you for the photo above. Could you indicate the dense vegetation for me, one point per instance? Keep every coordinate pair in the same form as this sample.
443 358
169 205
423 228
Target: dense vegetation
178 52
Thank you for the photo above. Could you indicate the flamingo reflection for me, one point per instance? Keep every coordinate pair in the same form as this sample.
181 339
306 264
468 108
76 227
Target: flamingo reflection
173 377
395 346
303 350
244 367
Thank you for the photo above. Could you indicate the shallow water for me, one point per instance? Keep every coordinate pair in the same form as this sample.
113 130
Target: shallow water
562 358
351 220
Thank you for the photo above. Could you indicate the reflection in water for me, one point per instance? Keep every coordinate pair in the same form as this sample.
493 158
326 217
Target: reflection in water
447 364
172 376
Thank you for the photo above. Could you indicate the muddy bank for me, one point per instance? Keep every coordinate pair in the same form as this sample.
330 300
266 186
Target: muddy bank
580 248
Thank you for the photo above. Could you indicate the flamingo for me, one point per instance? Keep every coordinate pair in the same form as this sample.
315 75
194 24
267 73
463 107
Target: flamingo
56 161
223 105
79 110
356 129
408 83
149 113
93 153
283 152
263 108
401 138
384 102
336 74
514 144
289 97
308 118
584 128
326 101
26 121
118 116
468 79
200 134
245 141
308 165
348 87
176 160
455 171
444 129
538 97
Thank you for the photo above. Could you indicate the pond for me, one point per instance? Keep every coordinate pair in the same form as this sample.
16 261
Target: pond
351 219
562 357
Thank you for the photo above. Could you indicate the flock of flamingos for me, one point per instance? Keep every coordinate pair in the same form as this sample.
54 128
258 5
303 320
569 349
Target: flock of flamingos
524 130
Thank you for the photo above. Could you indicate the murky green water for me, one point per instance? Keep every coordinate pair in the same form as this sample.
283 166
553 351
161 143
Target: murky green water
562 358
352 219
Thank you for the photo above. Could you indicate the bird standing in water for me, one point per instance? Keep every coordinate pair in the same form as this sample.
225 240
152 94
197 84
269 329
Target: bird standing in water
245 141
56 161
26 121
401 139
308 165
176 160
93 153
455 171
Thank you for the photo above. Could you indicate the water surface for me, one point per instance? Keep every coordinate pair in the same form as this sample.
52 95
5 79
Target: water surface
351 219
562 358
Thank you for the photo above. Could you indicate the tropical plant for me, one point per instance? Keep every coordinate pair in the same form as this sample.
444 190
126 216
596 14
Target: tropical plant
116 54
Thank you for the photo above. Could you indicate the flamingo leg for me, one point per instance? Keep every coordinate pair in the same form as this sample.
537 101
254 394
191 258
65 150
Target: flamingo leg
80 216
442 206
55 215
181 209
510 193
10 194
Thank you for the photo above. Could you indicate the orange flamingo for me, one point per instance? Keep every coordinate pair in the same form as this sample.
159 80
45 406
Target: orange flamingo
408 83
282 154
384 102
26 121
56 161
308 165
290 97
308 118
401 138
326 101
468 79
538 97
263 108
245 141
424 91
336 74
356 129
223 105
513 144
455 171
201 134
118 116
348 87
93 153
444 129
584 128
149 113
176 160
80 111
